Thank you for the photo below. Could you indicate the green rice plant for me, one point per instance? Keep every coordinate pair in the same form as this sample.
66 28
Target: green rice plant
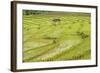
35 52
76 52
38 28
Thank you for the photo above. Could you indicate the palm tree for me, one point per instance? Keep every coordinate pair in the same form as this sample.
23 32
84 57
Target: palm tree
56 21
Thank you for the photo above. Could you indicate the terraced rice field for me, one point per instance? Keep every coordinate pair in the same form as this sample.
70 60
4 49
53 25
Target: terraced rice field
56 36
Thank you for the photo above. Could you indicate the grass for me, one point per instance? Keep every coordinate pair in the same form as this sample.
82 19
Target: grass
67 39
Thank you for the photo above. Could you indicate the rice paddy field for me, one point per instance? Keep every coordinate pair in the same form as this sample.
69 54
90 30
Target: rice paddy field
56 36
